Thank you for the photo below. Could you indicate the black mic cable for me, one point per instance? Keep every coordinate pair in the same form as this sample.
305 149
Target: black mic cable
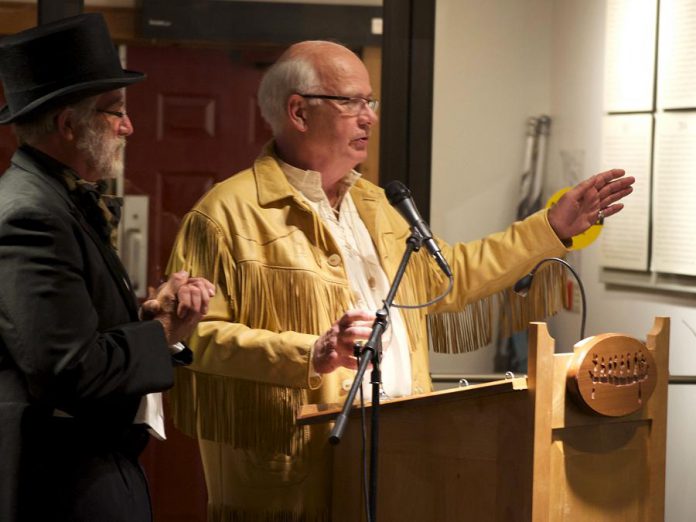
522 287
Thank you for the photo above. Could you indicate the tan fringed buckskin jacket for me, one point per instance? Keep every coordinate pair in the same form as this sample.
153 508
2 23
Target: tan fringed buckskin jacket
280 283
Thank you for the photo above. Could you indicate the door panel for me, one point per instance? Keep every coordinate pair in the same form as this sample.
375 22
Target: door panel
196 123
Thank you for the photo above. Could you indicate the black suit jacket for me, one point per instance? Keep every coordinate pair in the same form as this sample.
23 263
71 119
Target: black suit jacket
70 340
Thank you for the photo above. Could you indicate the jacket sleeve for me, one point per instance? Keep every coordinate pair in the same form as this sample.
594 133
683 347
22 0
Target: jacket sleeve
223 344
50 326
486 266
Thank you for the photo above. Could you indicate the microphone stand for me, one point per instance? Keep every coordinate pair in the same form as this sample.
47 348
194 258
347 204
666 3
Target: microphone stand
374 346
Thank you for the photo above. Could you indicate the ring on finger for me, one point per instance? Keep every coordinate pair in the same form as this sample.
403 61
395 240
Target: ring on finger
600 216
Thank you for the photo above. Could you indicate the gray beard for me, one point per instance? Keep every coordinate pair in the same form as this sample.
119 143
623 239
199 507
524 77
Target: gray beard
104 156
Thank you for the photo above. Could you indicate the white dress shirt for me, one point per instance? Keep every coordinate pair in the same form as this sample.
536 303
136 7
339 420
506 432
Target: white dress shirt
365 274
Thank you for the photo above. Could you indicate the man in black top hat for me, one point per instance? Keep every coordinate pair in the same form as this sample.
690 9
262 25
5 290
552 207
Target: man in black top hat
76 361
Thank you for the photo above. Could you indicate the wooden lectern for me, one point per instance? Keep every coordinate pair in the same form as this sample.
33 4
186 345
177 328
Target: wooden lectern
520 449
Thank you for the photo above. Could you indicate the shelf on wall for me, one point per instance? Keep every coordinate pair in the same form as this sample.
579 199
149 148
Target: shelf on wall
654 281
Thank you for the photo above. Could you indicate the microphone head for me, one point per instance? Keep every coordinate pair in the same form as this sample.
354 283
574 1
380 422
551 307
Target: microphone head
396 192
522 286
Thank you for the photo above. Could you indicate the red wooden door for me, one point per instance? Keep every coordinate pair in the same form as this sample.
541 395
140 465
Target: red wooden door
196 123
8 143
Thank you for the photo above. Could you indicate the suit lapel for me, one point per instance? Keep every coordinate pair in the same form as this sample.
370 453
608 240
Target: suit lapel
113 263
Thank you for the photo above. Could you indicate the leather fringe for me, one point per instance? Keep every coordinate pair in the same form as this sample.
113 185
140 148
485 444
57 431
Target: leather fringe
461 332
471 329
242 414
182 402
421 286
545 299
311 306
202 250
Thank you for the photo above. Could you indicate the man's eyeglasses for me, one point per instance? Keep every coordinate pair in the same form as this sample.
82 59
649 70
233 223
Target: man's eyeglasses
350 104
119 114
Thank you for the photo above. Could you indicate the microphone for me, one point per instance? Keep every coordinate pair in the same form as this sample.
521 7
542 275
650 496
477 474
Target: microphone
400 197
522 287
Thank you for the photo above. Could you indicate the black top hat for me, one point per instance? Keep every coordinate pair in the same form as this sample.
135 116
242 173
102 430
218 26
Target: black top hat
59 63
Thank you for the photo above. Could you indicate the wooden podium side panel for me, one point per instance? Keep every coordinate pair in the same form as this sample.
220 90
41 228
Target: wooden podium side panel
466 460
600 473
607 469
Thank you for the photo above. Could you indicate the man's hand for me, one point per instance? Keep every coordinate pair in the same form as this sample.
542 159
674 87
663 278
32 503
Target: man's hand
335 347
179 304
588 202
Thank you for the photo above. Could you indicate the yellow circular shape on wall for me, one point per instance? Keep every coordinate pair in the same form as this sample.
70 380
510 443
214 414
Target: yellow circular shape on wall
588 236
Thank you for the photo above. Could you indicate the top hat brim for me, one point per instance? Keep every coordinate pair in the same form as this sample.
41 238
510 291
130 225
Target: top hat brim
69 94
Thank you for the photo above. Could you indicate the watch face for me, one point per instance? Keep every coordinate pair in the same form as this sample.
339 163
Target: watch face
585 238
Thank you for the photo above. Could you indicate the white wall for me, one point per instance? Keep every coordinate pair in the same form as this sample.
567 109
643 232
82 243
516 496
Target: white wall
498 62
577 76
491 73
576 101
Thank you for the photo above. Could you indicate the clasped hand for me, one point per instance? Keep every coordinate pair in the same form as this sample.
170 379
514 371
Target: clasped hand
334 349
179 304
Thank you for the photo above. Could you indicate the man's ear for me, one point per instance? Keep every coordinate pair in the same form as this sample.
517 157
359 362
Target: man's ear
297 112
65 124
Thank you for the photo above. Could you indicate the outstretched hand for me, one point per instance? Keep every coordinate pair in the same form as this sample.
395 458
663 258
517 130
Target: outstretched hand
179 304
589 201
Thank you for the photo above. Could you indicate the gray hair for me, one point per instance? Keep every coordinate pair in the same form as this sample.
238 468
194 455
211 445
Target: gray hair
32 131
286 77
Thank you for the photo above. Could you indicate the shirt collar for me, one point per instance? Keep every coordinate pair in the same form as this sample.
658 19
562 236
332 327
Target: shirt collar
308 182
273 185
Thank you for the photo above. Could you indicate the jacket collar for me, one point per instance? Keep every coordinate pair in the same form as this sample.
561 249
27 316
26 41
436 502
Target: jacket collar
103 211
368 201
42 165
272 186
271 183
26 159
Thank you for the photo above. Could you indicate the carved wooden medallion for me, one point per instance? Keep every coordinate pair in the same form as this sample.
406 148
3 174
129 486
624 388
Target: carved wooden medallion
612 375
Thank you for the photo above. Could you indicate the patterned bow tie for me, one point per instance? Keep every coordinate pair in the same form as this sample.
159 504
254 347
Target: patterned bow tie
103 211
